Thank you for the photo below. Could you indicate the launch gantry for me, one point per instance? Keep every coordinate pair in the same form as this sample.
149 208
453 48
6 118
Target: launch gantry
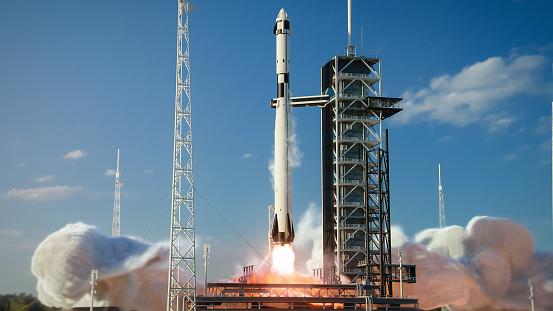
355 173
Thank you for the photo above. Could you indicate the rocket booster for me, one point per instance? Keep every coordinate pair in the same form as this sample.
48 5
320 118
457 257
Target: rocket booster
283 229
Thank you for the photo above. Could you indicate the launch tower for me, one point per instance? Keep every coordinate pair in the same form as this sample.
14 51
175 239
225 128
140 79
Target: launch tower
355 172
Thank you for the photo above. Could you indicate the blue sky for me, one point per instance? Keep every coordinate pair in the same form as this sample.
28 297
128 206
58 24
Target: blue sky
79 79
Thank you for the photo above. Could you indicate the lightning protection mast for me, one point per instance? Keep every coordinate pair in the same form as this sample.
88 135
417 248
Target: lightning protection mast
182 264
116 227
441 198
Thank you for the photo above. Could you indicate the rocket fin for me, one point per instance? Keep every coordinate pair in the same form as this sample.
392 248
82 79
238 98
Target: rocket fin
289 229
274 231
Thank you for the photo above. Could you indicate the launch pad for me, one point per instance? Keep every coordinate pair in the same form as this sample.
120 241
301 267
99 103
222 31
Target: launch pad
246 296
355 198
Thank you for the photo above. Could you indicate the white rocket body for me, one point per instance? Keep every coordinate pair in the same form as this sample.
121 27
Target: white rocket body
283 229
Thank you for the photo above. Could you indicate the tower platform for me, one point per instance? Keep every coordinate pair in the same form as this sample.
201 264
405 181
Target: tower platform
246 296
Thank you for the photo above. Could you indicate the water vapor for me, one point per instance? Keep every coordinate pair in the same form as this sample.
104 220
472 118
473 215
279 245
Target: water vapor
308 243
484 266
295 153
130 276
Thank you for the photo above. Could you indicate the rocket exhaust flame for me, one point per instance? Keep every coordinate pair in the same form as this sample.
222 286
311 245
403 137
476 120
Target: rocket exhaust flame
283 259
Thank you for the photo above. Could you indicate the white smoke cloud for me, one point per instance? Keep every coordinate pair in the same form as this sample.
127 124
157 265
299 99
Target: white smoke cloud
398 237
483 267
308 243
295 153
130 276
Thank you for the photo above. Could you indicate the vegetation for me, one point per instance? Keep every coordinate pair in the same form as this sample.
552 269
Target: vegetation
22 302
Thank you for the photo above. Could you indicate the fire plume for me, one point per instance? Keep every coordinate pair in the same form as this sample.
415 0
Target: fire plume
283 259
271 277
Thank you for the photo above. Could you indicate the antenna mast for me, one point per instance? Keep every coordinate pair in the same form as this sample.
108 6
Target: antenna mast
350 49
441 198
182 286
116 227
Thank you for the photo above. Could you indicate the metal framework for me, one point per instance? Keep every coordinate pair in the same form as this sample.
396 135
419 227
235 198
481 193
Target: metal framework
441 198
182 265
356 205
116 226
247 296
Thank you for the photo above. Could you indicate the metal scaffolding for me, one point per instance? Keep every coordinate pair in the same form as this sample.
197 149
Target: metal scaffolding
276 297
356 205
182 264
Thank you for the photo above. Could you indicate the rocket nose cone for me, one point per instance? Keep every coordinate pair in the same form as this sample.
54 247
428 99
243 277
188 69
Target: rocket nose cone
282 15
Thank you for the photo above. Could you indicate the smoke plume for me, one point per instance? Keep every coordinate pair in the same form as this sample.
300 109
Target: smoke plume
484 266
130 275
295 153
308 244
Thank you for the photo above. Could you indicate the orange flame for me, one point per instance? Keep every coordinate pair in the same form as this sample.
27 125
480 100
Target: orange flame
272 277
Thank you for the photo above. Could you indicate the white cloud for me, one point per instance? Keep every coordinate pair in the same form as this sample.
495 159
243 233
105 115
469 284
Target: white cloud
111 172
544 125
43 194
21 164
510 157
74 154
445 139
471 95
247 155
11 233
148 171
498 122
546 145
45 178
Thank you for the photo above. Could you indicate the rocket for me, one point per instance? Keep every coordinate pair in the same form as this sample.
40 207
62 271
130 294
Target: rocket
283 229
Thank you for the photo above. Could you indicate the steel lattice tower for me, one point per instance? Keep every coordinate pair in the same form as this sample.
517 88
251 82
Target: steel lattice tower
116 227
182 264
355 171
356 205
441 198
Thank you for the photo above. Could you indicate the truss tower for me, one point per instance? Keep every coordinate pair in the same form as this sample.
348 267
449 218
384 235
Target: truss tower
116 226
182 264
441 198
